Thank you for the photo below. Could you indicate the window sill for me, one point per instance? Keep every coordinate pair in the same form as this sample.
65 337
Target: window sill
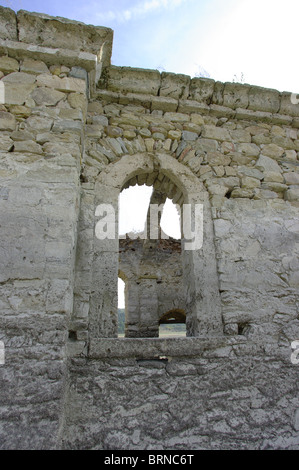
157 348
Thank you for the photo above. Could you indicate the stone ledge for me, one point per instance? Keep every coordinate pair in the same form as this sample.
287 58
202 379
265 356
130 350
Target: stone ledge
70 58
156 348
51 31
56 32
165 104
192 94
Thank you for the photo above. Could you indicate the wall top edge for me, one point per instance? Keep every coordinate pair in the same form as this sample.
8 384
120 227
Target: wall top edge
55 39
205 91
56 32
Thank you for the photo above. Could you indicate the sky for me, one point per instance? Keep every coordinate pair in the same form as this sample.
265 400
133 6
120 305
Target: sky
249 41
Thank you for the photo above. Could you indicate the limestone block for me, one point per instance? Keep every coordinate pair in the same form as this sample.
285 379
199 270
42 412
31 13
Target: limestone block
174 85
71 113
22 135
251 150
33 66
114 131
265 194
197 119
20 50
47 97
22 259
242 193
133 80
130 135
8 65
176 117
217 133
130 119
65 84
39 123
206 145
250 183
217 158
192 127
174 135
192 106
6 143
61 148
68 125
21 111
8 24
165 103
201 89
292 194
7 121
274 186
264 99
230 171
149 143
78 101
236 95
265 164
287 107
189 136
30 146
291 178
95 107
273 151
59 297
144 132
240 135
227 147
18 86
273 176
285 142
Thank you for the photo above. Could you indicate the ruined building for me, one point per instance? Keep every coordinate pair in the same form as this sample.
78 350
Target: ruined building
76 131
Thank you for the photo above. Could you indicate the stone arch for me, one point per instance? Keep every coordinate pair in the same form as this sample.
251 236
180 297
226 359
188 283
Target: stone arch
202 290
173 316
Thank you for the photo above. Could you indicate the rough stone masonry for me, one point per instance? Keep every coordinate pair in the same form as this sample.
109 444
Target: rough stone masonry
76 131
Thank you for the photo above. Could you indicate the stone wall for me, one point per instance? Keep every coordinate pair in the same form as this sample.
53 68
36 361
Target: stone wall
42 124
75 131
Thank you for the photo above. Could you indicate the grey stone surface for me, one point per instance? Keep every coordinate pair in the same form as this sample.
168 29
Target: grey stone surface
68 382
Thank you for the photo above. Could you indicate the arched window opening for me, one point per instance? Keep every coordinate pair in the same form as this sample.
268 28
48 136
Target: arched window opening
121 308
173 323
150 254
161 273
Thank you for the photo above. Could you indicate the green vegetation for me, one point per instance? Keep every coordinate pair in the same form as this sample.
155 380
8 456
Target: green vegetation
121 321
176 329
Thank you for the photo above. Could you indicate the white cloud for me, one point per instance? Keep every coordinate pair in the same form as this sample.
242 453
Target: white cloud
139 10
257 38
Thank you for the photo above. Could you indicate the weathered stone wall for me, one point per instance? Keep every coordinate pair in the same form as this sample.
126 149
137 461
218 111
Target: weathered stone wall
233 397
74 132
42 146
